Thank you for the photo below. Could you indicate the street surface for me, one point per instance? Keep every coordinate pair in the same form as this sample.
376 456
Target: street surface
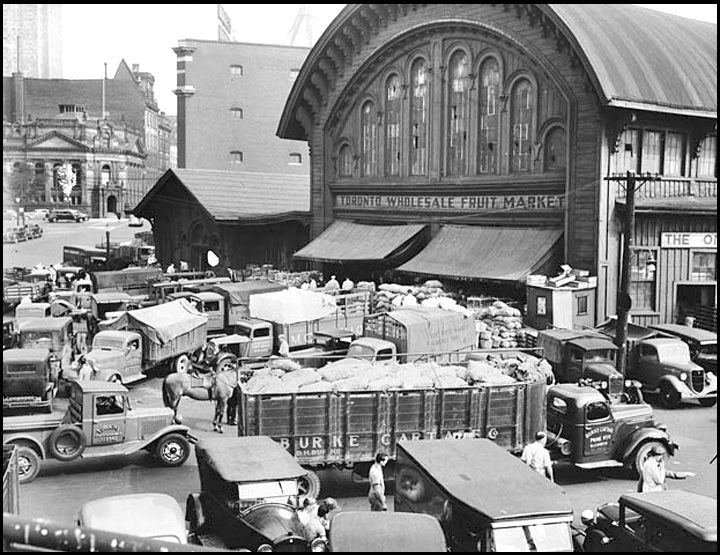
62 488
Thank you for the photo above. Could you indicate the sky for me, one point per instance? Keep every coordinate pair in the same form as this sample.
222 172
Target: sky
144 34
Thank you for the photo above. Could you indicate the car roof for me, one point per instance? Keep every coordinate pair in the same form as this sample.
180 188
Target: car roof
247 459
591 343
140 514
25 355
695 513
47 323
94 386
477 473
697 334
390 532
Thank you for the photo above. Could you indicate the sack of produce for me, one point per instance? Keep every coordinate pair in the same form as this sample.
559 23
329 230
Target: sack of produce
316 387
344 368
284 364
303 376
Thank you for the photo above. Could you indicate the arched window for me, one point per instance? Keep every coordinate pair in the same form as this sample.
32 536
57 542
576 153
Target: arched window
457 113
392 126
523 114
236 113
38 189
76 193
295 158
489 123
105 175
554 151
368 128
236 156
418 118
56 192
345 162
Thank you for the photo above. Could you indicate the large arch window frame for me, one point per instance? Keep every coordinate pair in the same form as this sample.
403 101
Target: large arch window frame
458 100
489 120
523 112
419 124
393 124
369 142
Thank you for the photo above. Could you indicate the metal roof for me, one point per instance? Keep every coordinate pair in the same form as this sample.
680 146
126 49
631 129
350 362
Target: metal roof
347 241
509 254
237 196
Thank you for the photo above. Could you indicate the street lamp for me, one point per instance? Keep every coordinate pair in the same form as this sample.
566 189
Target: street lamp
107 242
17 214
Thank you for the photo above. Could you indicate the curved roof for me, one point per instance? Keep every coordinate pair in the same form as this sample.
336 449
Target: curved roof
636 57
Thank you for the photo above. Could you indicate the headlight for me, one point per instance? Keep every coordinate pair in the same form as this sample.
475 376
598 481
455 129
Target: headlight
318 545
603 385
587 517
683 376
265 548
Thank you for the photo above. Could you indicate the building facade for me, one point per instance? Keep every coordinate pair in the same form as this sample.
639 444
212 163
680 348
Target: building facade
111 132
508 131
32 40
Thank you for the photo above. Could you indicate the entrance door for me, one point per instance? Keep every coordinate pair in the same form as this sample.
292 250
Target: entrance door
691 297
112 205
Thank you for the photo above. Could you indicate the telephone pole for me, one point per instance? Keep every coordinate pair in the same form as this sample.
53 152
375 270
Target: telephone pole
624 302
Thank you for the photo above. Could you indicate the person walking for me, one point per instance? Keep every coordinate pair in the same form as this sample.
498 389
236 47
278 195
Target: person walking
283 346
376 495
653 474
332 283
538 457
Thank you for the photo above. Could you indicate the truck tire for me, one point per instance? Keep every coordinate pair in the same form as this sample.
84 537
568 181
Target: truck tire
28 464
172 449
641 453
66 442
228 362
182 364
194 514
669 396
309 485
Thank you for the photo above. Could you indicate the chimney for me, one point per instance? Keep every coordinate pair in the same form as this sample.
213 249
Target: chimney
136 68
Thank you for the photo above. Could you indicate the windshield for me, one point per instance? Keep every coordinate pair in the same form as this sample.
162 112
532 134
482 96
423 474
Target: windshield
360 351
107 343
540 537
600 355
674 352
708 350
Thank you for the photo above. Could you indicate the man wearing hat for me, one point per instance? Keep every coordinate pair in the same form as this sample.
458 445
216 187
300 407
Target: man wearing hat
653 473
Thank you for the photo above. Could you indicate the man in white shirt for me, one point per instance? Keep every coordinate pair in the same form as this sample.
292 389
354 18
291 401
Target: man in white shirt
376 495
538 457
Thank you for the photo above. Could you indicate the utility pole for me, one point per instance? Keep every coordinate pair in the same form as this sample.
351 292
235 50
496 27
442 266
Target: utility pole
624 302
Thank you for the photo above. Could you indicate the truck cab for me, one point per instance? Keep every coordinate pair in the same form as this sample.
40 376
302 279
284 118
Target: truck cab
29 379
585 428
212 304
260 334
26 311
117 356
372 349
55 334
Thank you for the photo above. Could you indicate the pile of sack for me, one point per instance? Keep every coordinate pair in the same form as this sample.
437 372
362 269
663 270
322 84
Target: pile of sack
499 326
362 375
431 293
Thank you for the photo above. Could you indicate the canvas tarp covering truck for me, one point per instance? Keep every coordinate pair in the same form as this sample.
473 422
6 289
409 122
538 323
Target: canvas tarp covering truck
237 296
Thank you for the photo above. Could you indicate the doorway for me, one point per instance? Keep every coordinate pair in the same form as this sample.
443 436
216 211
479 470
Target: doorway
691 298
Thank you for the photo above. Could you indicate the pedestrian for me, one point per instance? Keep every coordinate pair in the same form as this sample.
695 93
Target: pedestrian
283 346
537 456
653 474
313 527
332 283
347 285
327 506
376 495
83 368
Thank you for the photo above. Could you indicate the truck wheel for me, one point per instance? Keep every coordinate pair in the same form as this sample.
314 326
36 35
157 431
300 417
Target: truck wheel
66 442
194 514
309 485
182 364
172 450
669 396
641 454
707 402
28 462
227 363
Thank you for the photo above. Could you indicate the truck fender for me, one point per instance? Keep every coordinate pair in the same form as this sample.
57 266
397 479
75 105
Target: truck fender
178 428
642 435
676 384
194 513
28 441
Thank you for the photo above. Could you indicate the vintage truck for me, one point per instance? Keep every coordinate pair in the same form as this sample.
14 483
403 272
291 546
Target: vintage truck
235 300
346 429
664 367
16 292
30 379
587 429
145 339
97 420
589 356
53 333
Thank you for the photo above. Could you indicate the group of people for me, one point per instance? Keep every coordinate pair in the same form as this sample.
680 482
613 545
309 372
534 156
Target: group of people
653 472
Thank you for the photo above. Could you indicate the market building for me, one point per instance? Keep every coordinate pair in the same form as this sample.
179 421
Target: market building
492 142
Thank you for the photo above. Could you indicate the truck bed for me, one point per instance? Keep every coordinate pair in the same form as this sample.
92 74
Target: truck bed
345 428
18 421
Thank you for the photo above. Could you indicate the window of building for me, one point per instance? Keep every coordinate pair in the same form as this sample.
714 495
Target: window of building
523 113
72 109
489 125
392 126
38 186
418 118
582 305
652 148
236 113
105 175
345 162
642 279
707 158
541 305
626 157
236 156
458 94
368 128
674 160
704 266
236 69
295 158
76 192
554 151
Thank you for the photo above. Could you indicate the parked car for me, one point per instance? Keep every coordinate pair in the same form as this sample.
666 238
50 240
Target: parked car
134 221
67 214
15 235
156 516
702 343
661 521
33 231
39 213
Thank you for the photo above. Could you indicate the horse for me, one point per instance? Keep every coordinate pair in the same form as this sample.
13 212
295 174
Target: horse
218 386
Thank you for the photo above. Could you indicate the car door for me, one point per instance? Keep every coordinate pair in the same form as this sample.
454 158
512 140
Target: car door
109 412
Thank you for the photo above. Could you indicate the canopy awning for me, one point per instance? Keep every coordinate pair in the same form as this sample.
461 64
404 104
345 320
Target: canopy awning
507 254
346 241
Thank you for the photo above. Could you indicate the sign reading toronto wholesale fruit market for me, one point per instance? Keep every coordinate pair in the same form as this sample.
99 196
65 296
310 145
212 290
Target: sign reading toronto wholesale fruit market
453 203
